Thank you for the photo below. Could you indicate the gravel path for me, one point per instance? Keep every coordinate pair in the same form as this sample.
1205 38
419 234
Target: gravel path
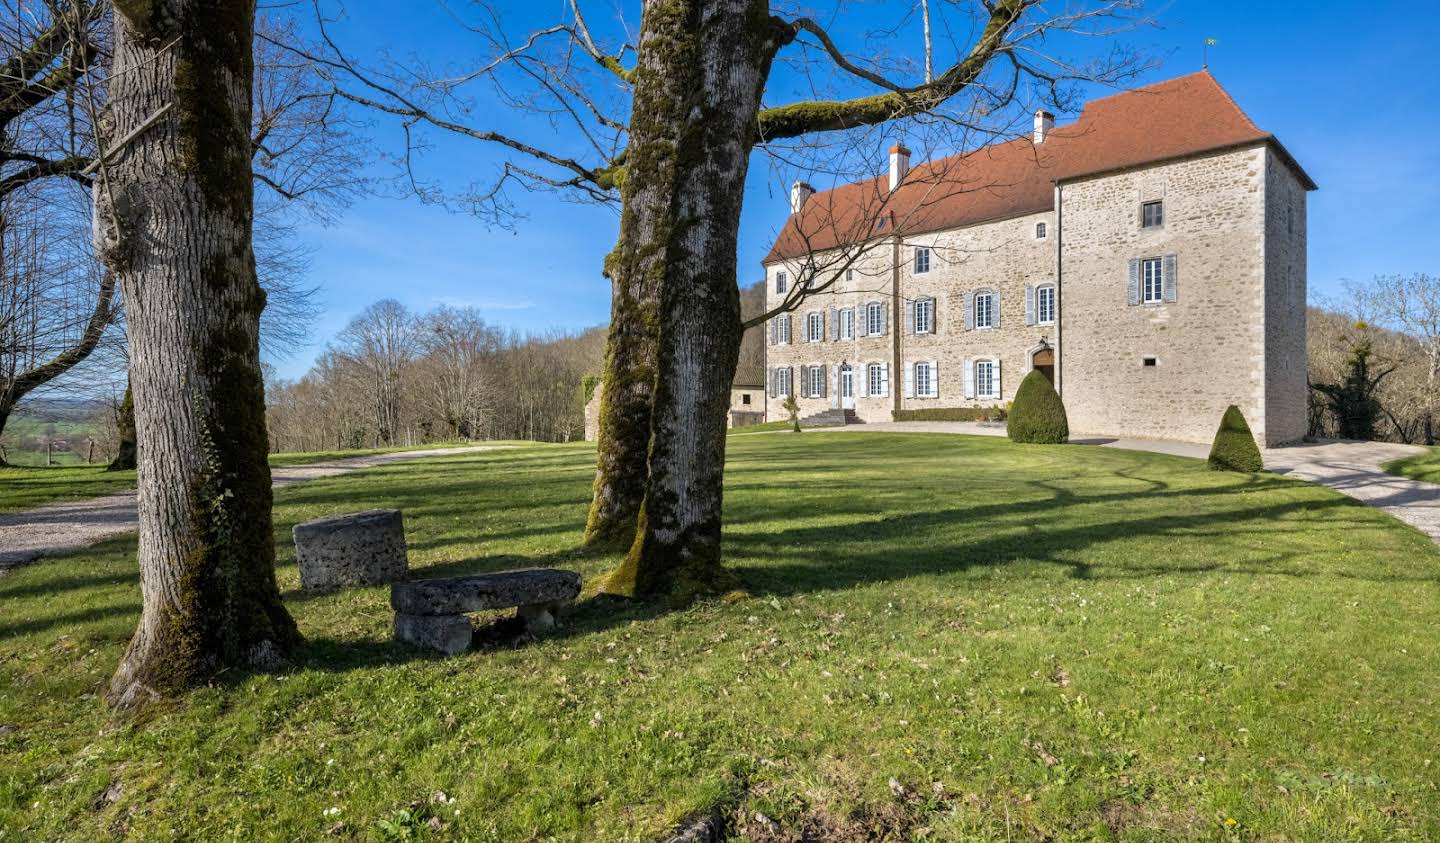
63 527
1353 468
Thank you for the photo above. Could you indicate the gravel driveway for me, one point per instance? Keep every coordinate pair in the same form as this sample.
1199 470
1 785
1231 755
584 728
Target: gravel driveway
63 527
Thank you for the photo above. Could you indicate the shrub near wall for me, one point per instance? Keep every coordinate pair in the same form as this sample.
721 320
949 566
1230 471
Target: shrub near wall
1037 415
949 414
1234 448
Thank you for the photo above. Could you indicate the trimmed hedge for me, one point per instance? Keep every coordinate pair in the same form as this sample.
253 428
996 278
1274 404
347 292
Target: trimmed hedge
949 414
1234 448
1037 416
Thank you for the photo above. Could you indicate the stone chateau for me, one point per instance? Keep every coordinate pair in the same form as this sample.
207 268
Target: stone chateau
1148 258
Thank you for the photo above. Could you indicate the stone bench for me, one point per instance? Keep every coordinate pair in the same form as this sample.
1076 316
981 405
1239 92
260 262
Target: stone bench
359 548
432 613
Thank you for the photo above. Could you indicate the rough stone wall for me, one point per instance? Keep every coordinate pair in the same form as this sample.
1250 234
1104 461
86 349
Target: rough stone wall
1285 295
1234 334
1004 256
592 416
1210 343
868 280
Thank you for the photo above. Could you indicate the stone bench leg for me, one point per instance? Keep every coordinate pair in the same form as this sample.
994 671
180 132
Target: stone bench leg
450 634
539 617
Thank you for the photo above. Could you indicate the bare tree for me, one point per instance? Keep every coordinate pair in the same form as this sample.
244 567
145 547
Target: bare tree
458 369
1410 305
55 305
174 209
696 93
380 344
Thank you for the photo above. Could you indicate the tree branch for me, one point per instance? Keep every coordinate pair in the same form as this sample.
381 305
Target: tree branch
802 118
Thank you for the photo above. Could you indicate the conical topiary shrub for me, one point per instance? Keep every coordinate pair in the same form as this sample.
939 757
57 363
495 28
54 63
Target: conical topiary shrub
1037 415
1234 448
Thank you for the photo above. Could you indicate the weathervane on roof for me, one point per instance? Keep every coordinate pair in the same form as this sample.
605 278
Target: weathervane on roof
1209 42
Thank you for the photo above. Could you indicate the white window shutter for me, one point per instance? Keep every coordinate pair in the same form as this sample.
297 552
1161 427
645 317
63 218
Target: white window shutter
934 379
910 316
834 324
1171 279
884 380
862 380
834 385
770 381
909 379
862 324
1134 290
970 310
969 379
998 309
1030 318
999 390
884 318
774 330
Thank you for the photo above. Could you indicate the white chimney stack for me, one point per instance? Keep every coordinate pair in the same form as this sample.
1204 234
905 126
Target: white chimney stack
1044 125
899 164
799 193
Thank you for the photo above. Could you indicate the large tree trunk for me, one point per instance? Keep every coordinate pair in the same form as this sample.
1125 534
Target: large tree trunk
174 217
627 389
700 72
125 429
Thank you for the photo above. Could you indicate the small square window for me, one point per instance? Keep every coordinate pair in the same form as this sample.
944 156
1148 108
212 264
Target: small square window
1040 231
744 398
922 259
1152 214
1149 361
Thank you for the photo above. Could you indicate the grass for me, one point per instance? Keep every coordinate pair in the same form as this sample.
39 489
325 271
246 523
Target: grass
965 639
1424 467
24 487
762 427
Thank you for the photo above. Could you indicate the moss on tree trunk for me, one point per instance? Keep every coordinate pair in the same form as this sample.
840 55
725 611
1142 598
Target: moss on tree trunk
125 430
698 79
176 214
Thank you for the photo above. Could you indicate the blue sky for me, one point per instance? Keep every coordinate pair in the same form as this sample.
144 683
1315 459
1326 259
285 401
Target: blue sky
1343 90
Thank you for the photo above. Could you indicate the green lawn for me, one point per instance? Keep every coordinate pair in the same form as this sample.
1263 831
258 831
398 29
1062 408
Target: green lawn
1032 642
1420 467
23 487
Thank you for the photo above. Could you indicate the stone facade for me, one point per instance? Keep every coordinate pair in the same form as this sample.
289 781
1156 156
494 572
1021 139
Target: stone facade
747 406
1226 326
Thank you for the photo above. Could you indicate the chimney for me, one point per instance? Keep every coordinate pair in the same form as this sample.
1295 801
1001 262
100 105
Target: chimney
899 164
1044 125
799 193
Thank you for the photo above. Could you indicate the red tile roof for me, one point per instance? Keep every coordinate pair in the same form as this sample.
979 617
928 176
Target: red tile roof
1161 122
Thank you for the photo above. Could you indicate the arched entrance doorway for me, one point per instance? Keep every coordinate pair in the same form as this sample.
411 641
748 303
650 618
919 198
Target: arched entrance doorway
1043 362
